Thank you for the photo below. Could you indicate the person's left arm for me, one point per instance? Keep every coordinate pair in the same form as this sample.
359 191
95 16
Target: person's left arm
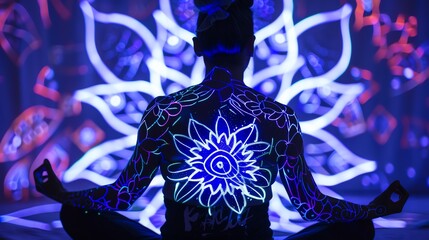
131 183
310 202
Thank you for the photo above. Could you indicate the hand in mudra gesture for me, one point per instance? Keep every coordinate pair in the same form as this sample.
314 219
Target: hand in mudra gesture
48 183
391 200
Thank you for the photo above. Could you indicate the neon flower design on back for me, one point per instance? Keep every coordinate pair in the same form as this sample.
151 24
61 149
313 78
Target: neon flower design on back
221 165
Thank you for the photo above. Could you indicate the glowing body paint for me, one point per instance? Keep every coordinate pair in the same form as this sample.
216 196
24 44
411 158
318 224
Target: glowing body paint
220 145
221 164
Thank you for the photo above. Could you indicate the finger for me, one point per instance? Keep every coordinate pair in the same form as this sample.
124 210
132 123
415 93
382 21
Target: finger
396 183
38 179
41 178
40 168
41 175
38 173
403 196
48 165
396 187
401 190
49 168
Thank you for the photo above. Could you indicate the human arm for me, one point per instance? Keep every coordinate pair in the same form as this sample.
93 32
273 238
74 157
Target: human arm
131 183
312 204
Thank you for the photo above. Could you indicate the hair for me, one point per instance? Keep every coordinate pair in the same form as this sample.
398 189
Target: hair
228 35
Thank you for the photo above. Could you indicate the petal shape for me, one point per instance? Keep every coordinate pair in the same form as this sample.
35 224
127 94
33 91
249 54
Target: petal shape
141 45
263 178
184 192
18 33
255 192
178 172
247 134
209 197
257 147
235 201
38 123
222 127
197 176
174 109
198 131
184 145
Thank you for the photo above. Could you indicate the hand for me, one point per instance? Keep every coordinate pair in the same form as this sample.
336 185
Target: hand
391 201
48 183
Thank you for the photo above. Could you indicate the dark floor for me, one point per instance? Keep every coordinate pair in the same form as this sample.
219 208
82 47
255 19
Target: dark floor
16 223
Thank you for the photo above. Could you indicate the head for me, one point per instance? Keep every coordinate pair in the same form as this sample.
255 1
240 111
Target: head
225 34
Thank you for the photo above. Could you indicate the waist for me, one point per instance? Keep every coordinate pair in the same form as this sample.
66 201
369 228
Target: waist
190 220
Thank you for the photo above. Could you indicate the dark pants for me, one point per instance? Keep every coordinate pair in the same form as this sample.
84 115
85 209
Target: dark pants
89 224
360 230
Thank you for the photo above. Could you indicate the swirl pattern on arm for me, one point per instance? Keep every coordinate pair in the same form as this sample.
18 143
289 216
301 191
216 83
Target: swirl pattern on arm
138 173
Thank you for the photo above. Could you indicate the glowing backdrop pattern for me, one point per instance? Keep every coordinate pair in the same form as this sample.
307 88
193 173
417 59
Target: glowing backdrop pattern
76 77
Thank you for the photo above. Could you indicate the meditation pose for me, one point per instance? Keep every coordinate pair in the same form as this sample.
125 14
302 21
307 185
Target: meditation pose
220 146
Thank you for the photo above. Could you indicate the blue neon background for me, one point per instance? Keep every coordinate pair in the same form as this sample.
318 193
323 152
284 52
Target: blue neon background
75 77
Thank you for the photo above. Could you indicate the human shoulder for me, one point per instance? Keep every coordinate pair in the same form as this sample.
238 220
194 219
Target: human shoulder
286 109
259 103
168 99
189 96
171 105
250 94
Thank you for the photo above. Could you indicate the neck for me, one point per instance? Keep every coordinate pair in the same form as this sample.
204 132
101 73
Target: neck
237 73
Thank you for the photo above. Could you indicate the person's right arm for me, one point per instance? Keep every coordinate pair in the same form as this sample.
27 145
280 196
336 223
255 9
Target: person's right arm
131 183
310 202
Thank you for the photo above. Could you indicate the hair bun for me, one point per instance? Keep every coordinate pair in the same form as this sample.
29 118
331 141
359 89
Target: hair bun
208 5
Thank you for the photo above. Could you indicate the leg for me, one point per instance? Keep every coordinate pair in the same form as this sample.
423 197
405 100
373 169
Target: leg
360 230
90 224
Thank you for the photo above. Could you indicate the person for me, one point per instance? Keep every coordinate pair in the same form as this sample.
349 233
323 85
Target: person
219 145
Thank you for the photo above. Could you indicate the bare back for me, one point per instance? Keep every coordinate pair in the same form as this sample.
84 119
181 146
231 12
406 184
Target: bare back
222 138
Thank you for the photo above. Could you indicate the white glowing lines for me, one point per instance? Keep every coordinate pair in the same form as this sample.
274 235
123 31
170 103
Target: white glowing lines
220 164
343 15
91 47
289 63
105 111
294 60
168 73
91 15
93 96
284 219
348 94
78 170
360 165
171 26
19 217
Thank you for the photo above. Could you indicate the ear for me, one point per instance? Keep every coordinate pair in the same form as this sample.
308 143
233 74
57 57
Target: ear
197 47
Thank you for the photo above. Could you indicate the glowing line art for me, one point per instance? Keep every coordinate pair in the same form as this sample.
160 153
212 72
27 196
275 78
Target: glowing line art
171 26
157 58
348 94
343 15
103 108
221 164
91 15
19 217
287 68
95 153
281 68
17 29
